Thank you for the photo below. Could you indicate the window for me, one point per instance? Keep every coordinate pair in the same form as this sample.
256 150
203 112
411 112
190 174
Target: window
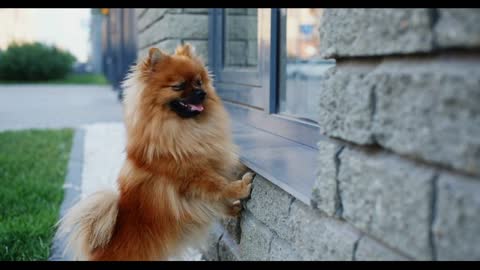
240 38
301 68
267 70
236 53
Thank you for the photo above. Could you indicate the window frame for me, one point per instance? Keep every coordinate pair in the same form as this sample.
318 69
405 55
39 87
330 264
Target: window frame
257 106
249 76
239 85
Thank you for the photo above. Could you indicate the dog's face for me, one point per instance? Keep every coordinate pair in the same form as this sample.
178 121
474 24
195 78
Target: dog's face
172 108
177 83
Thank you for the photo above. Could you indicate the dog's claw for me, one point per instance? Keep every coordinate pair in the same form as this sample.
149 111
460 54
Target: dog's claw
235 208
248 177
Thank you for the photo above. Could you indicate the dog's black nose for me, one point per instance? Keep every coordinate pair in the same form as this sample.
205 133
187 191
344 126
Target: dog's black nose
199 93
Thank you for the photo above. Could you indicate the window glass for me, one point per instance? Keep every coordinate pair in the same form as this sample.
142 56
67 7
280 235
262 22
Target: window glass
301 68
240 42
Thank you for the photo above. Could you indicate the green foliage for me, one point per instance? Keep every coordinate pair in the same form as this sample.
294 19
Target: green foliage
34 62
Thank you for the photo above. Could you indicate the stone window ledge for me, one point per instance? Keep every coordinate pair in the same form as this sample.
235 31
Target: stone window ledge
287 164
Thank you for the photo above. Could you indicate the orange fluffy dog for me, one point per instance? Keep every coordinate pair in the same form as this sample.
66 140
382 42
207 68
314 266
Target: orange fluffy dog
178 174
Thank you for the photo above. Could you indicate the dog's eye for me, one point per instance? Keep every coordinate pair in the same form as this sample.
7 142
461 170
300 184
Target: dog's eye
179 87
198 83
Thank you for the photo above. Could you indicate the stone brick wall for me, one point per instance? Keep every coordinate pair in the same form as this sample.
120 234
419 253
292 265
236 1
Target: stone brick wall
167 27
241 37
402 109
399 159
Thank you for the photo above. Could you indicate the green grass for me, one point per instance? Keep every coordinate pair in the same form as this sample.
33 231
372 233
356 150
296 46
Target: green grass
83 79
33 165
96 79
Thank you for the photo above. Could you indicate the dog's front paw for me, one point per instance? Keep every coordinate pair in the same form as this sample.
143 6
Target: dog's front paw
248 177
240 189
246 181
246 190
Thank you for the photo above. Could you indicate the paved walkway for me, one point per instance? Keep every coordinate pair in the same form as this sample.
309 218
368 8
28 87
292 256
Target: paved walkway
99 142
56 106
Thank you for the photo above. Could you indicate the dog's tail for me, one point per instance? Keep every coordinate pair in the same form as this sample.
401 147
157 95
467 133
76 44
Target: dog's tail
89 224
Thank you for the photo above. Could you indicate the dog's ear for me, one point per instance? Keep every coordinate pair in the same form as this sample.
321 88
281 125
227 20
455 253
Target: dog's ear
155 56
186 49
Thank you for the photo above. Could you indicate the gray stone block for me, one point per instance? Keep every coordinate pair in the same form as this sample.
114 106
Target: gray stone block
241 27
283 251
176 26
151 15
457 27
389 198
252 11
316 237
176 10
236 53
139 12
201 48
291 227
424 107
311 235
171 44
269 204
236 11
167 46
456 226
142 54
255 240
346 103
142 22
324 194
366 32
429 109
196 10
252 47
370 250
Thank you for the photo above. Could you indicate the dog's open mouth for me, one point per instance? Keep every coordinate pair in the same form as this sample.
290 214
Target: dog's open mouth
192 107
186 109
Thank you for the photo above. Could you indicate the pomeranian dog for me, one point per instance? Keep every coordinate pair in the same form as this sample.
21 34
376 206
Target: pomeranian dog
179 174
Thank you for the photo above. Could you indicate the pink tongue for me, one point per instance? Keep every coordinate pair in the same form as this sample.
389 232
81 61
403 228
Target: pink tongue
198 107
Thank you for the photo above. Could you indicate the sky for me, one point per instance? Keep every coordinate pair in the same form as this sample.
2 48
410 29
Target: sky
66 28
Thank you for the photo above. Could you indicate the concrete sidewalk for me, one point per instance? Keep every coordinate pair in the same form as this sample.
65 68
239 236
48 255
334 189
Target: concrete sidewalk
56 106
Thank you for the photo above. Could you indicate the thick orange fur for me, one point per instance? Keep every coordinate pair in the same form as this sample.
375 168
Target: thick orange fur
178 176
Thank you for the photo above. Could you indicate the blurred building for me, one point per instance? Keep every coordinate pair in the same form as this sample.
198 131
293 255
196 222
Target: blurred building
16 25
302 44
95 58
119 44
